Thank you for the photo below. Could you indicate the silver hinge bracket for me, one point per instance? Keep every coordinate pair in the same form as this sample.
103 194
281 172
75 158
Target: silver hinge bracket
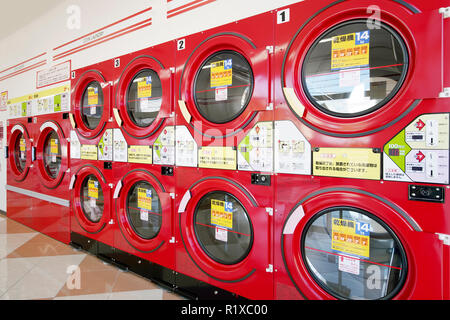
445 12
269 269
269 211
270 107
172 69
111 221
445 238
270 49
172 195
172 240
445 93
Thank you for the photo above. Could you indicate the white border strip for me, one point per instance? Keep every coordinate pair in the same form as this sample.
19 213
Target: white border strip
40 196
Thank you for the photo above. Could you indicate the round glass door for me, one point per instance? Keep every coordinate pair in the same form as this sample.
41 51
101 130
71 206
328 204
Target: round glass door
352 254
144 210
352 70
52 155
144 98
92 105
223 228
223 86
92 199
20 152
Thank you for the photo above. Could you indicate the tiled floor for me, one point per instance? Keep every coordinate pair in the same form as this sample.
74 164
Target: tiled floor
34 266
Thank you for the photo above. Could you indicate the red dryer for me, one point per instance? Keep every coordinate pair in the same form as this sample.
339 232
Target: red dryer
20 177
144 159
51 132
224 160
91 166
361 151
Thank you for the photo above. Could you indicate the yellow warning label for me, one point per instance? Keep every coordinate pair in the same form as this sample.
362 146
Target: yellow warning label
222 73
350 50
22 145
145 87
217 158
144 199
93 189
88 152
140 154
358 163
222 213
92 96
54 146
351 237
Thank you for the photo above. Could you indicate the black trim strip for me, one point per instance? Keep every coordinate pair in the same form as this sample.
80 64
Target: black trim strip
207 39
249 196
361 134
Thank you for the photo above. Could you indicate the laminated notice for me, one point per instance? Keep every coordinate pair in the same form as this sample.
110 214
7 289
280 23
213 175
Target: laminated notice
54 146
145 87
217 158
93 189
350 50
140 154
144 199
222 214
92 96
352 237
222 73
357 163
89 152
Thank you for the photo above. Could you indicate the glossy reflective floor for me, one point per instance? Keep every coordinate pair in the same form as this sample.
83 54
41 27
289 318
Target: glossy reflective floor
34 266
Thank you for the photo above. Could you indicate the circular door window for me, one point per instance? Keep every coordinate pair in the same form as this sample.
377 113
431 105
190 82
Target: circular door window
353 70
144 210
92 103
92 199
223 228
20 152
144 98
52 155
352 254
223 86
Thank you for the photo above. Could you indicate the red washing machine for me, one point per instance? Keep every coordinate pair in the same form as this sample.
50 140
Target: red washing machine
51 209
20 178
225 124
91 166
144 159
362 125
224 234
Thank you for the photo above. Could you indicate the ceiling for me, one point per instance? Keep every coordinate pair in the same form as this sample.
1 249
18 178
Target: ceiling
18 13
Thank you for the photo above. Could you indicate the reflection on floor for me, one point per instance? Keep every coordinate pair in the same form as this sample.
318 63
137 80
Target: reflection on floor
34 266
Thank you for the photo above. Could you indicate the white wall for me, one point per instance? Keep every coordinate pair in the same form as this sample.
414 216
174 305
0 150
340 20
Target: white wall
51 30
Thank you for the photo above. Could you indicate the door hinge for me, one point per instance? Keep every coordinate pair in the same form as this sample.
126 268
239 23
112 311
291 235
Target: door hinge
111 185
270 107
445 238
445 12
172 195
445 93
172 69
269 211
269 269
172 240
111 221
270 49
